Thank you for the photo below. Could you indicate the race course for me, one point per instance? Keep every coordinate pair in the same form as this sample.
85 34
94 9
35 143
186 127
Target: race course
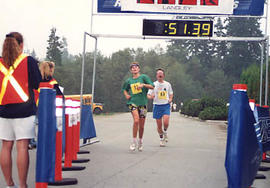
194 156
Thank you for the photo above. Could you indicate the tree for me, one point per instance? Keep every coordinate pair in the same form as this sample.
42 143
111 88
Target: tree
55 48
184 87
114 72
66 57
217 85
200 56
220 47
251 77
242 54
33 54
195 69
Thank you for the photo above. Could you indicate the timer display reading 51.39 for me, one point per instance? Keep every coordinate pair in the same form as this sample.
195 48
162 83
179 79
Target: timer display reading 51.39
190 28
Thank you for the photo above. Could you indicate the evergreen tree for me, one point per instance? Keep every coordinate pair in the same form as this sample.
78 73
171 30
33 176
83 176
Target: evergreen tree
220 47
33 54
242 54
55 48
251 77
65 54
217 85
114 72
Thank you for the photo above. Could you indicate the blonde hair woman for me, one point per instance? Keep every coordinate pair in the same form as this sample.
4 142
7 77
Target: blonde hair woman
46 69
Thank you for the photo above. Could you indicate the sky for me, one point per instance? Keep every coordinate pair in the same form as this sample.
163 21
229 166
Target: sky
35 18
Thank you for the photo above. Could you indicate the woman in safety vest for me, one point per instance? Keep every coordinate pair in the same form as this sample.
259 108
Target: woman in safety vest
19 75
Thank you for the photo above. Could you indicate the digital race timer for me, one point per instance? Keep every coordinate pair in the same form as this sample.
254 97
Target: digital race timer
189 28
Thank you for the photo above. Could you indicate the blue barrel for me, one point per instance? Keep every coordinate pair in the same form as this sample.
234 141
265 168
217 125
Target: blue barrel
243 154
45 161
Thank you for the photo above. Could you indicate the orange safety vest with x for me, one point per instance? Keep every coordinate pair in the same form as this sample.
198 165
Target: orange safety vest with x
14 81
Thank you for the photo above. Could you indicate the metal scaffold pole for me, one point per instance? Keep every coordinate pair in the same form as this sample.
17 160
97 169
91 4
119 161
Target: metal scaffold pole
94 70
267 53
261 72
83 62
94 66
266 71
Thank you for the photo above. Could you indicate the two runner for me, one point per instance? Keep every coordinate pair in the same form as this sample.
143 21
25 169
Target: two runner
137 89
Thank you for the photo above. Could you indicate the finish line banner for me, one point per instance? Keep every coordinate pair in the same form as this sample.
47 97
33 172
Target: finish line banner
241 7
180 6
249 7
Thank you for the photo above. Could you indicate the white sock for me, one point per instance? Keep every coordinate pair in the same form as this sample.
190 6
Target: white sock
134 140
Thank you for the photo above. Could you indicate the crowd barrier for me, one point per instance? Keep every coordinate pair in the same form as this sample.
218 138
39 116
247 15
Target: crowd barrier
87 130
261 114
248 128
72 138
58 136
77 132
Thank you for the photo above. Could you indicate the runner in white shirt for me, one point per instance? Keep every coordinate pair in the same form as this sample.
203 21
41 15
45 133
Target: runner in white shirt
162 96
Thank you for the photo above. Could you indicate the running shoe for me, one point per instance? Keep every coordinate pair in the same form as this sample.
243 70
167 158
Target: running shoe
165 136
140 146
14 186
132 147
162 143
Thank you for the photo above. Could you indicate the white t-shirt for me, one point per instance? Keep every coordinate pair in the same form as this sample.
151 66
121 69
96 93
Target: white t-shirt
162 92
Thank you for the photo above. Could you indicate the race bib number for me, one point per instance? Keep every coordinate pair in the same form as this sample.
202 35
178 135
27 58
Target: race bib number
162 95
135 88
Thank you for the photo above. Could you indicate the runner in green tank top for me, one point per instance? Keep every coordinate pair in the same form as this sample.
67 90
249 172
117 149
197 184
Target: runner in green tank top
135 90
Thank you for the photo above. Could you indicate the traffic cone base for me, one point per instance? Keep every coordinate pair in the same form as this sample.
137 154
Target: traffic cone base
65 181
73 168
81 161
83 152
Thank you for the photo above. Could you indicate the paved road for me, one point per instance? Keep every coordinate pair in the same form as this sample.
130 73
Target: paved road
193 157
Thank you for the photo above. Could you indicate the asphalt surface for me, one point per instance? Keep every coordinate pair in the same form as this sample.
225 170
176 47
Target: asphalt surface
193 157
